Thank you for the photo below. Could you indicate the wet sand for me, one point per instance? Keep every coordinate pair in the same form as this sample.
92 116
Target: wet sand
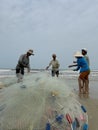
91 105
89 101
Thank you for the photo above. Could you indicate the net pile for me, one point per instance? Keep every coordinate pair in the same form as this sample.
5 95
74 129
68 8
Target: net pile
41 102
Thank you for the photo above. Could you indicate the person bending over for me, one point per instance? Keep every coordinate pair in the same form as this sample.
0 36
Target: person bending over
23 62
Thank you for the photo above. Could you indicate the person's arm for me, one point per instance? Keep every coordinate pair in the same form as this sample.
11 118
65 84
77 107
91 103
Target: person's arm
28 68
74 61
21 61
88 61
76 68
72 65
48 65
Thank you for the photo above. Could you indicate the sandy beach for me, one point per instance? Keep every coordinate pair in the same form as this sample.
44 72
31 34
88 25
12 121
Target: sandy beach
89 101
91 105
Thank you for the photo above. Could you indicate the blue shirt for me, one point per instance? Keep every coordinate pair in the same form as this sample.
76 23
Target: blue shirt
82 64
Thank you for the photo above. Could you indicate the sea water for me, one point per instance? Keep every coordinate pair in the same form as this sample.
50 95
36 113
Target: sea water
69 74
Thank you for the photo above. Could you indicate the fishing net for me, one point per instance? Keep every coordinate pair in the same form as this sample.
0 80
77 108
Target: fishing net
41 102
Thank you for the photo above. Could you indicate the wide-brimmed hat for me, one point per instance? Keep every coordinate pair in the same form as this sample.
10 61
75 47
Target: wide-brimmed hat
30 52
84 49
78 54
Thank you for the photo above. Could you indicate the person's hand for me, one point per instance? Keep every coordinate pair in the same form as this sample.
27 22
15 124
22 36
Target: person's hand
70 66
74 70
24 65
74 61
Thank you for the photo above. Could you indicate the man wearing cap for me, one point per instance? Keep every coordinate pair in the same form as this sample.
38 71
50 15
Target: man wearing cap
23 62
84 53
55 66
83 66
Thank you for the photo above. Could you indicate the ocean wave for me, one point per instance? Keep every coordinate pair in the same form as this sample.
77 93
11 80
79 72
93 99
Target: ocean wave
63 73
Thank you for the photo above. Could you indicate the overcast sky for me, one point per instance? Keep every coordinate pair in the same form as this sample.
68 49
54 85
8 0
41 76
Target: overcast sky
48 26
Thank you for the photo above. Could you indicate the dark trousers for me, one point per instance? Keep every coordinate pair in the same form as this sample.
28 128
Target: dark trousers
53 73
19 70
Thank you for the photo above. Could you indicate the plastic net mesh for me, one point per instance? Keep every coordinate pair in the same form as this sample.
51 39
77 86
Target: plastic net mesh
41 102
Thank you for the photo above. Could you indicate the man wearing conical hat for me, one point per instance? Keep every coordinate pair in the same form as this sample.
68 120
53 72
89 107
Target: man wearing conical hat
83 66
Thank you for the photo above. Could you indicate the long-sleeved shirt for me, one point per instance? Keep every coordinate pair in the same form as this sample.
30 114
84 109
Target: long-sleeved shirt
55 64
24 61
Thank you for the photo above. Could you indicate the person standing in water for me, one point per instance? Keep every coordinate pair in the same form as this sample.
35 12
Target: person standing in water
83 66
84 53
23 62
55 66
